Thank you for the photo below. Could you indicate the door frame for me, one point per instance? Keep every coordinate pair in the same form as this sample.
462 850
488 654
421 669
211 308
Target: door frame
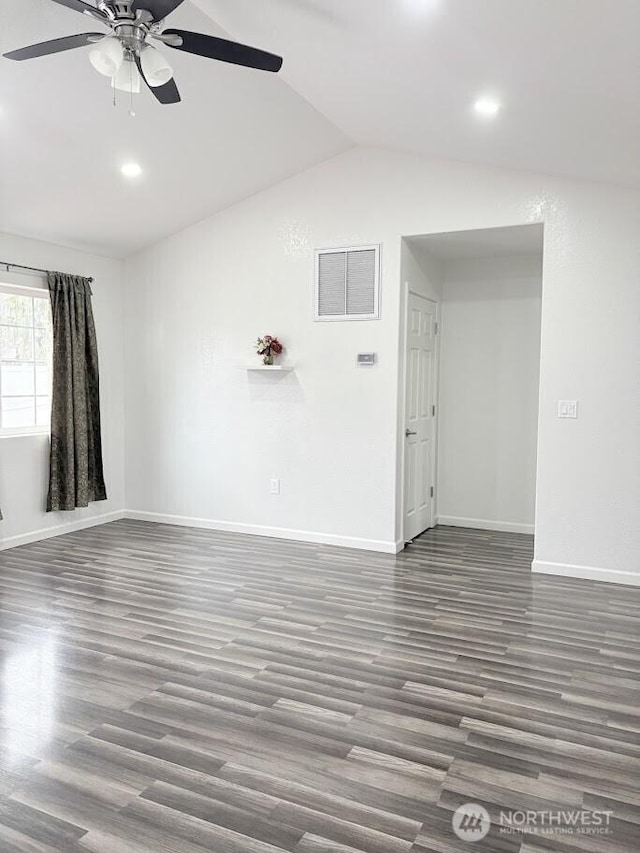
407 289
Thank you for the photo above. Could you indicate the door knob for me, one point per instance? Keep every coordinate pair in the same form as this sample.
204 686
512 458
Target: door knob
409 432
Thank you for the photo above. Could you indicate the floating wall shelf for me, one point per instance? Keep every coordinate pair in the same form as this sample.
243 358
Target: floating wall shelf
275 368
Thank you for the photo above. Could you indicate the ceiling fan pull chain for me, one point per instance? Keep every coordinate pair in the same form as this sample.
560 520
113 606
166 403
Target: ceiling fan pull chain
132 112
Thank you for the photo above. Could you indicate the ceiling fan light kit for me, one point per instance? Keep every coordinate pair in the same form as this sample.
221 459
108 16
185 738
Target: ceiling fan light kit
155 67
126 55
127 79
107 56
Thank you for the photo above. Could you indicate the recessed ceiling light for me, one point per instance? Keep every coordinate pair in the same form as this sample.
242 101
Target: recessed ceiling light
487 107
131 170
423 6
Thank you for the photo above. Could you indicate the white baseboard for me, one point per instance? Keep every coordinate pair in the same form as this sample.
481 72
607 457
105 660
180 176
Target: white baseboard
486 524
381 546
586 572
272 532
59 530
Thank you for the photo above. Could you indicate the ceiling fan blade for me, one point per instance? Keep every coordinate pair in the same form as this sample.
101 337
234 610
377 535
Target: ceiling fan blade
55 46
225 51
167 94
158 8
84 8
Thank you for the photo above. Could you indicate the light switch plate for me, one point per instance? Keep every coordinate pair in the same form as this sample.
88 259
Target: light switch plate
567 408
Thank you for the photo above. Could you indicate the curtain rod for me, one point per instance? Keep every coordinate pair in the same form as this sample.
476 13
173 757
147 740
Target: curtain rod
20 267
10 267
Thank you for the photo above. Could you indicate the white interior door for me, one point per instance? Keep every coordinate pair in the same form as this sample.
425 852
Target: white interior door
420 412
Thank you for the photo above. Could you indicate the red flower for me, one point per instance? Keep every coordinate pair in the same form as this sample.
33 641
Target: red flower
276 346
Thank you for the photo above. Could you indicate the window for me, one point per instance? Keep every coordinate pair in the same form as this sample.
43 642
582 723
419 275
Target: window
347 283
25 361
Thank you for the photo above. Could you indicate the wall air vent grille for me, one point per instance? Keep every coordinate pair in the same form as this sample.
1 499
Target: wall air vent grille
347 285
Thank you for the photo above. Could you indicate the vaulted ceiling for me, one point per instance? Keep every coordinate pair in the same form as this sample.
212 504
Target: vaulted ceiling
396 73
235 132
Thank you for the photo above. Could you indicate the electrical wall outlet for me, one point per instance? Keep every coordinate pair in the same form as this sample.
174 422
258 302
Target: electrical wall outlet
275 487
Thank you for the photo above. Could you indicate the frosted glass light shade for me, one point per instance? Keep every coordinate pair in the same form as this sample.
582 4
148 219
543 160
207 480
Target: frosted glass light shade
127 79
107 56
155 67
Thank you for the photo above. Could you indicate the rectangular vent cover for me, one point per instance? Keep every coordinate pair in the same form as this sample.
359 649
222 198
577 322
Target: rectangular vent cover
347 283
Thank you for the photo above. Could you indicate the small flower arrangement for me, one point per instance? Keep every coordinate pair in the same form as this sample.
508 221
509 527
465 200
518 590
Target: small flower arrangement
268 347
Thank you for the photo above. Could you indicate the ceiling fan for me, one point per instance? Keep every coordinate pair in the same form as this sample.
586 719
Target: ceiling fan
126 55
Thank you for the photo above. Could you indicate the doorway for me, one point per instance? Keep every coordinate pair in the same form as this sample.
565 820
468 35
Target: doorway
469 410
420 409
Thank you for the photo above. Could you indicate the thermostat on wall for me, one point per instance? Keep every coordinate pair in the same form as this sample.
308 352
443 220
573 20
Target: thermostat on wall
366 359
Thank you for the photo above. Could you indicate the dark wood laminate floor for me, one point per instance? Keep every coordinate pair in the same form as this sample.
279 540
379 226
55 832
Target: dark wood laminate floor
169 689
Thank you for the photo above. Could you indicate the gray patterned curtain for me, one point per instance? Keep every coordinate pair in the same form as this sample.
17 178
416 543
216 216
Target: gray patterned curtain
75 475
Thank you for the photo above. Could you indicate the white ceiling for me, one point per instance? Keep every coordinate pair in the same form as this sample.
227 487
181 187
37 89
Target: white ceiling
482 243
396 73
405 73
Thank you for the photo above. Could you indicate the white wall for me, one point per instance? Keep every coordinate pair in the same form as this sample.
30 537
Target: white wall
489 385
24 460
421 271
203 437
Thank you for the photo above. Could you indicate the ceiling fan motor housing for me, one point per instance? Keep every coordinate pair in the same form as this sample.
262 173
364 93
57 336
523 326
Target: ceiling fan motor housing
132 36
120 9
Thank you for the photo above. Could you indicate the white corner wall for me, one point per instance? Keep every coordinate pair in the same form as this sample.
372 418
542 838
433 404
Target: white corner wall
489 387
24 460
204 437
421 272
